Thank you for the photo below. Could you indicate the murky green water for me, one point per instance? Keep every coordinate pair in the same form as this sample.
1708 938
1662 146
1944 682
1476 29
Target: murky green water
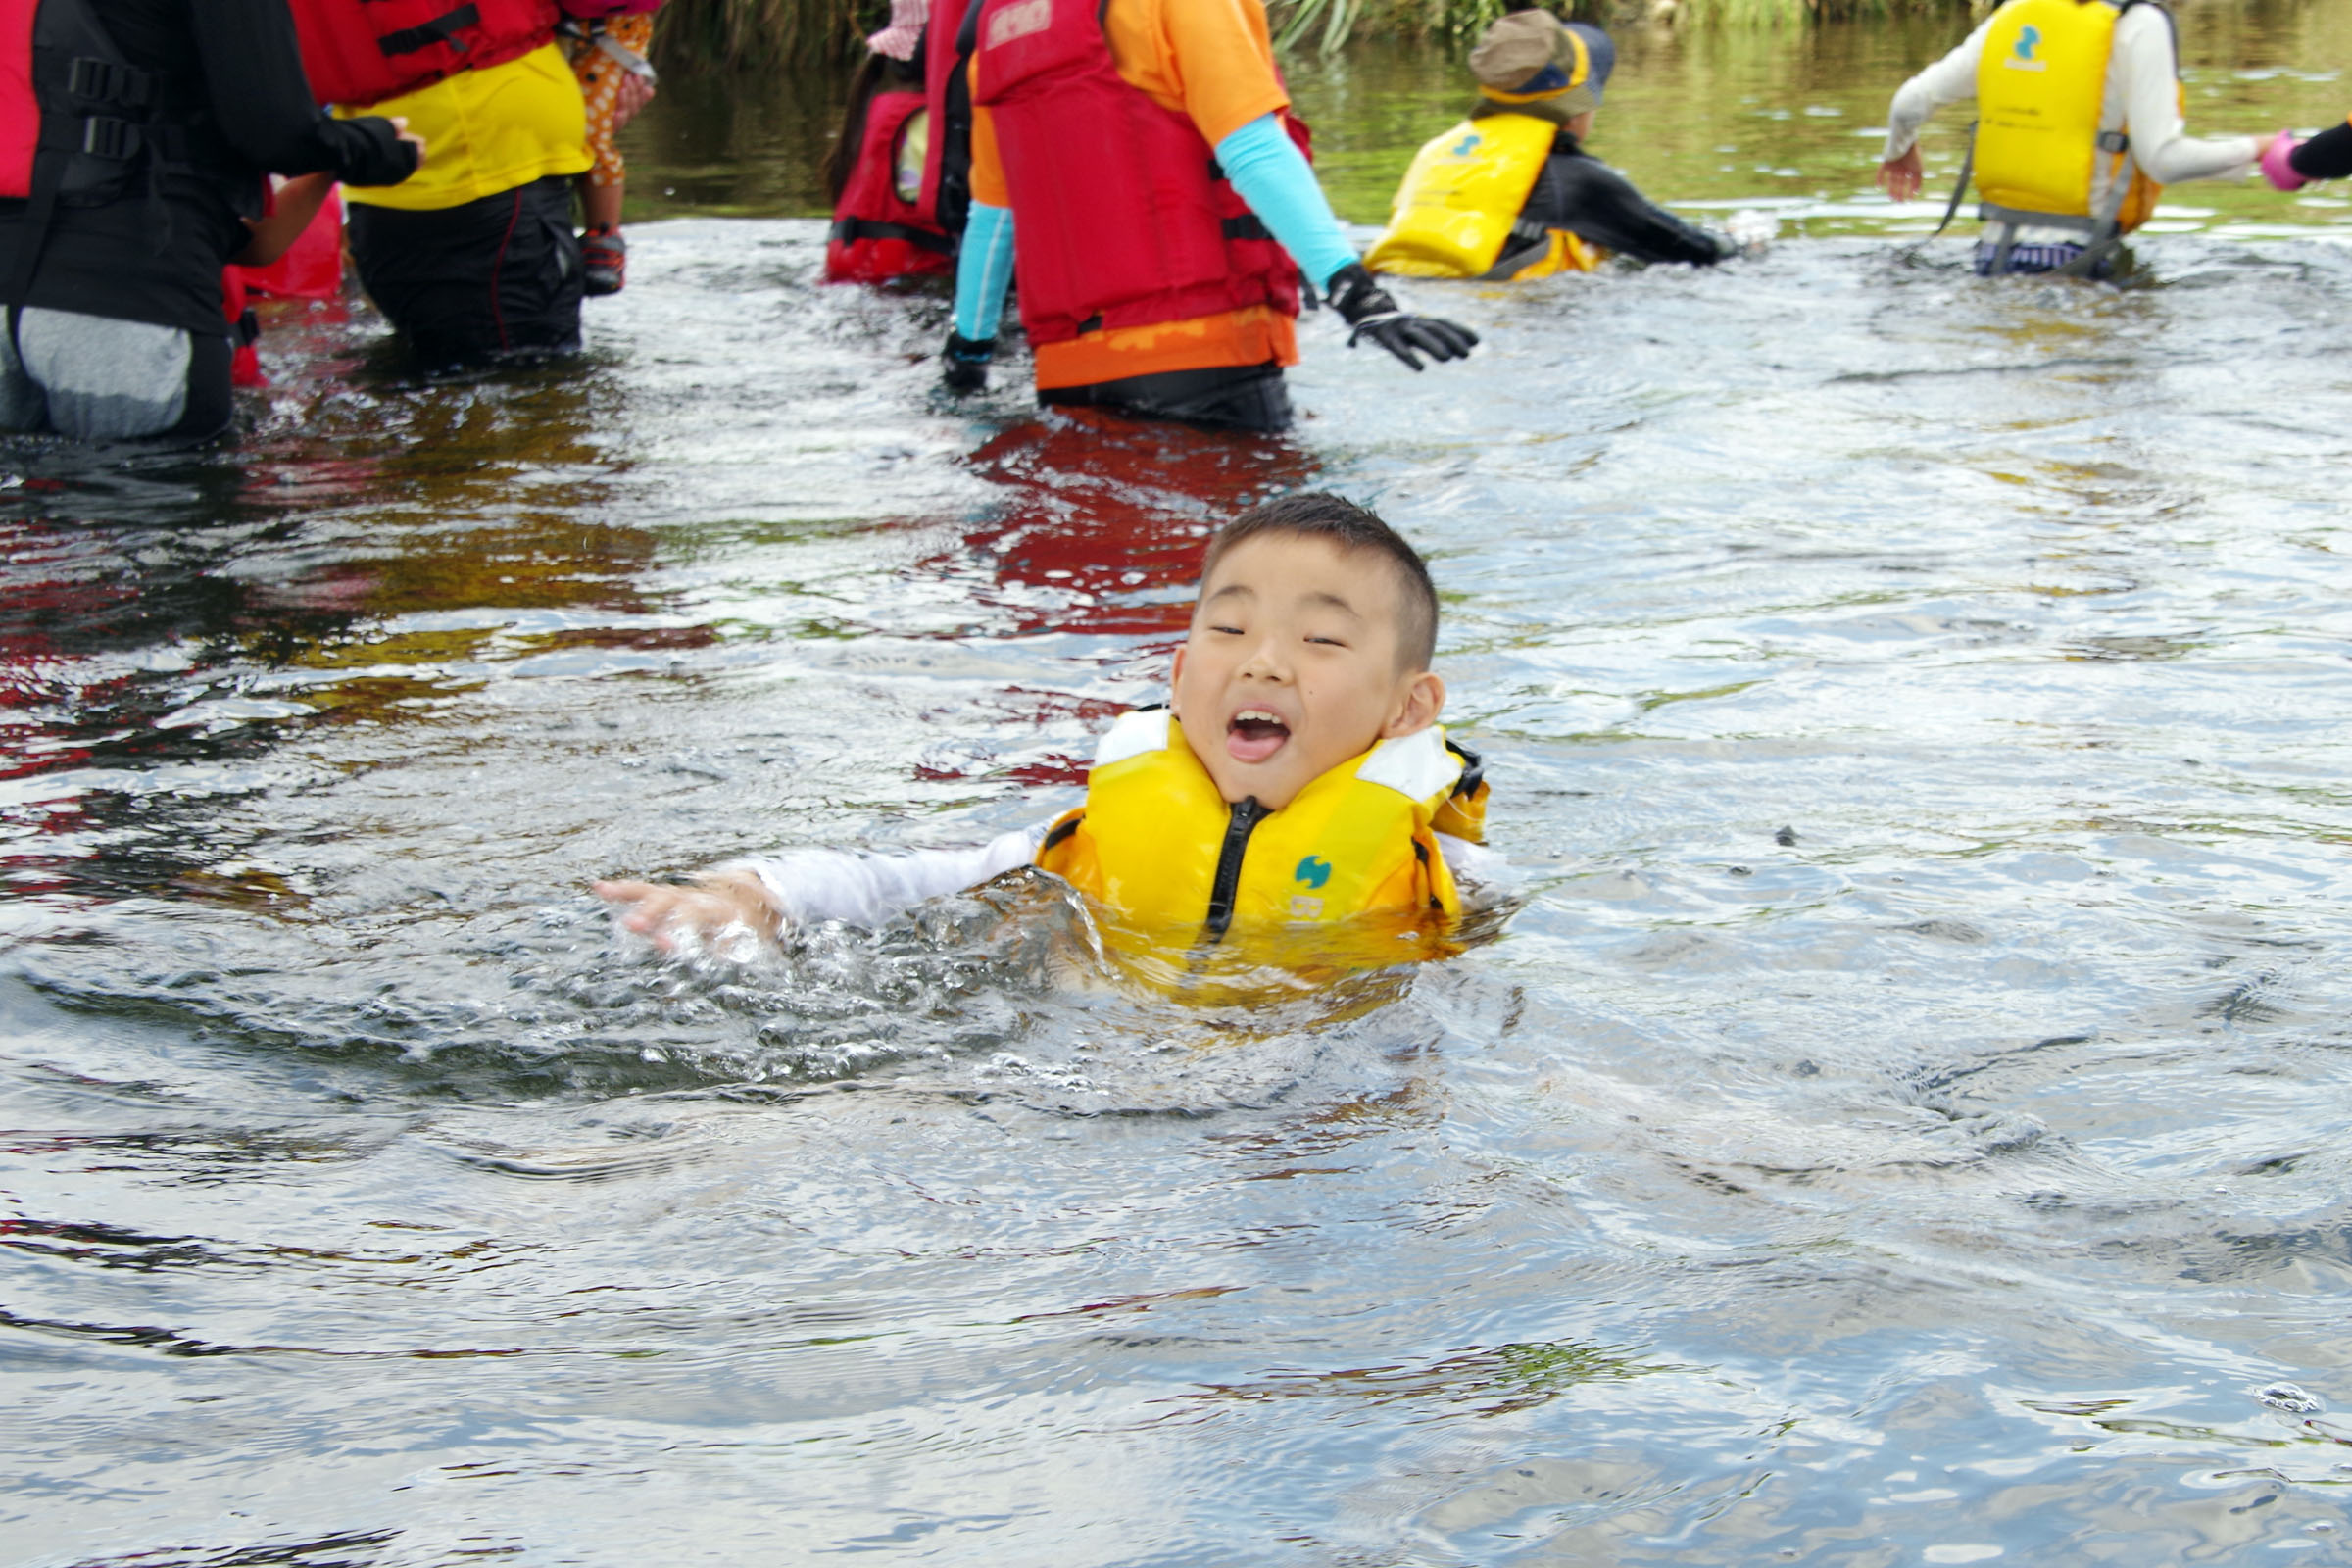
1957 1176
1789 120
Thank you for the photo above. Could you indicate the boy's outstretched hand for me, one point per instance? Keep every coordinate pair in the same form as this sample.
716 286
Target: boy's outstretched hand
1900 177
671 916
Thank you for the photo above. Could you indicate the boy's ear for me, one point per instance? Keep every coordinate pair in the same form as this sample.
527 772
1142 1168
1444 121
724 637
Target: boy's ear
1424 700
1176 679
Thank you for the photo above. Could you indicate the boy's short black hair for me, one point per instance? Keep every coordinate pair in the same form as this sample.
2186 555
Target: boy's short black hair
1320 514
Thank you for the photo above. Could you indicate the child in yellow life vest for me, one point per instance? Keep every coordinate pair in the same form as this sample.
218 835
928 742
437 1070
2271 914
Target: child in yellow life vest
1510 193
2079 128
1295 783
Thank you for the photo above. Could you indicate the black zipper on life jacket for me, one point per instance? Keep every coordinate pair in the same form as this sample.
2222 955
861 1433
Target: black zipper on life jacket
1247 815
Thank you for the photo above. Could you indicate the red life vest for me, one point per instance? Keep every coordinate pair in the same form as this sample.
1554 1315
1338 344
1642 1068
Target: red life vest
877 233
20 105
361 52
1120 214
947 194
244 331
104 114
83 127
311 268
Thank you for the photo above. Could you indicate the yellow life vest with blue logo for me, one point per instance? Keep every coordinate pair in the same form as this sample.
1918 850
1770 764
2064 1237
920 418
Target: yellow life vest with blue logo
2042 81
1157 845
1460 203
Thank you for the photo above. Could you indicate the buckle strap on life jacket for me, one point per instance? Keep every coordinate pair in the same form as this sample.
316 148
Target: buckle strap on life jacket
2020 216
104 136
109 81
849 231
443 28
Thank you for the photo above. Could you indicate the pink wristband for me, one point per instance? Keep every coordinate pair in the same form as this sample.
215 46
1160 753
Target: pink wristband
2275 165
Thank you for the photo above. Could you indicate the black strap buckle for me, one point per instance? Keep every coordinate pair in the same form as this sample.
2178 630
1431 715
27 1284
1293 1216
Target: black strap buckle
2113 141
104 136
103 81
849 231
443 28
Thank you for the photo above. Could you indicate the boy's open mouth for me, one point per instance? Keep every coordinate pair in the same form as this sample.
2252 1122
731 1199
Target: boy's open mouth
1255 734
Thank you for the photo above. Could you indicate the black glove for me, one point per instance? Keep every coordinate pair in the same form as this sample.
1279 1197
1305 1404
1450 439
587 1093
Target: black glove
1367 308
963 364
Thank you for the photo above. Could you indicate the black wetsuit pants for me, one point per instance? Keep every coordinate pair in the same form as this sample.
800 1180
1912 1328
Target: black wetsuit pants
490 279
1242 397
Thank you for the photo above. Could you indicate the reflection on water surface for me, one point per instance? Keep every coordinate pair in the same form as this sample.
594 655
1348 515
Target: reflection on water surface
1904 1124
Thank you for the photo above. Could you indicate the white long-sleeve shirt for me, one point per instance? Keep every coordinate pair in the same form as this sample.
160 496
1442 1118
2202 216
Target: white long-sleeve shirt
813 886
2141 98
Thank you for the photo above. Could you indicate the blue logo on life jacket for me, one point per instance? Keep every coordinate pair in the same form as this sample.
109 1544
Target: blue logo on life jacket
1469 145
2028 39
1314 872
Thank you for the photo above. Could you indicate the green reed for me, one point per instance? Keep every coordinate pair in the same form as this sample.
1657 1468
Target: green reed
760 33
1326 26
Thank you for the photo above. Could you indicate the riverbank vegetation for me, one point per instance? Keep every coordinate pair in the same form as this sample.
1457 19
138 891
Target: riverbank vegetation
758 34
1325 26
762 33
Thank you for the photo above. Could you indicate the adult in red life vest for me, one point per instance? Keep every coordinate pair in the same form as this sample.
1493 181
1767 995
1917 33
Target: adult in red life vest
898 169
475 259
134 139
1139 160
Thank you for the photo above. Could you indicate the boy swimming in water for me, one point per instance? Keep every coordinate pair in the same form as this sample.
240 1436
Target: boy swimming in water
1296 778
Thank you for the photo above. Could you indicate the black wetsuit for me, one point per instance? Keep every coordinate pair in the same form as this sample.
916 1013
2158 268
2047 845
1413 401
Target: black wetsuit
1578 192
229 103
236 83
2327 156
499 278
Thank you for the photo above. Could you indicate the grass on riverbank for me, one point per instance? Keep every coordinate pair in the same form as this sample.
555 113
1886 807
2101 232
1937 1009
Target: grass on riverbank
760 34
1326 26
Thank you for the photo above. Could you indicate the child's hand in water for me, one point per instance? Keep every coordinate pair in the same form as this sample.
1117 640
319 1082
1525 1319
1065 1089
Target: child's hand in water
1751 230
672 917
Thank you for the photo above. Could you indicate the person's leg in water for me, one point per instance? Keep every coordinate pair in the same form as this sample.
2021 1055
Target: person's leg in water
1250 397
2033 259
614 83
604 250
485 280
23 409
93 379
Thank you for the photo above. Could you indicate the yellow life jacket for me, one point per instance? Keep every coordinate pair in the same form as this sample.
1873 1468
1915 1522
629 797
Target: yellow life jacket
1156 845
1460 202
2041 85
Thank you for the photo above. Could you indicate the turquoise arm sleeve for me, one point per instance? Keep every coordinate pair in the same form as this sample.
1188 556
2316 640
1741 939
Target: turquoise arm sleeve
983 269
1273 176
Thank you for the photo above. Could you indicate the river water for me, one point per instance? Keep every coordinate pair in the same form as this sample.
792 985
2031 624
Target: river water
1905 1121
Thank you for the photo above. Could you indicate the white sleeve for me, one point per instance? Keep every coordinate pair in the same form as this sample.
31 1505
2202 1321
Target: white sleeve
1475 862
811 886
2143 52
1947 81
